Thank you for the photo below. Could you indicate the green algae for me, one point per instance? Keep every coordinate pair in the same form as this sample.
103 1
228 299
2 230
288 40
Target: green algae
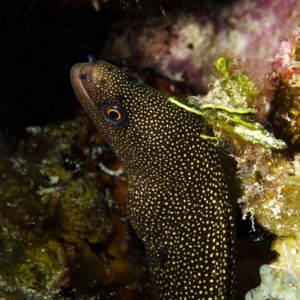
235 84
231 122
44 268
228 108
223 65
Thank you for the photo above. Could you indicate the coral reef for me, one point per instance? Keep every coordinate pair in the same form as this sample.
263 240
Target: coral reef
275 285
62 235
62 208
183 44
286 67
269 178
274 199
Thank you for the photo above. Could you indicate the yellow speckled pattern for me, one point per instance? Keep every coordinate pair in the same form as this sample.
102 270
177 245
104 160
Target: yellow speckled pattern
177 200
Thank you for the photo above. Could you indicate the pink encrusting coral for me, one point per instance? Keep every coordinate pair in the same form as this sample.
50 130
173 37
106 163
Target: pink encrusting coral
286 75
263 25
286 64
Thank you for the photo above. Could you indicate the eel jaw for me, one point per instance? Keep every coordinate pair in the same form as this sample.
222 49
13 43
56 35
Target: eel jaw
77 76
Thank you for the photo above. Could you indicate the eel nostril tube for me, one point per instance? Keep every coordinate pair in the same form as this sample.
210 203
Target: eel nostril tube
91 58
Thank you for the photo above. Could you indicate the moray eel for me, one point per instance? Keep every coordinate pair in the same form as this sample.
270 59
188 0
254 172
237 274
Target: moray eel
177 196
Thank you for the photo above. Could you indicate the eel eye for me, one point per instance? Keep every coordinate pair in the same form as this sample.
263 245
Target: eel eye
113 113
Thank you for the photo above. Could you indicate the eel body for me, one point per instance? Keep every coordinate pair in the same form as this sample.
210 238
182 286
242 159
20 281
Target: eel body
177 199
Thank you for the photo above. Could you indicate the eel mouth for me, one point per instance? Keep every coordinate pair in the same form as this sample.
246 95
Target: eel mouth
80 73
83 77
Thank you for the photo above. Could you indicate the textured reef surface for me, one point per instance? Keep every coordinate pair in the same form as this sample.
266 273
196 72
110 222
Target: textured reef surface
267 167
274 199
184 44
64 232
62 236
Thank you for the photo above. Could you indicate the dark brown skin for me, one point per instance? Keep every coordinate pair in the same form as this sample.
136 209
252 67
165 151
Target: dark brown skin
178 199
